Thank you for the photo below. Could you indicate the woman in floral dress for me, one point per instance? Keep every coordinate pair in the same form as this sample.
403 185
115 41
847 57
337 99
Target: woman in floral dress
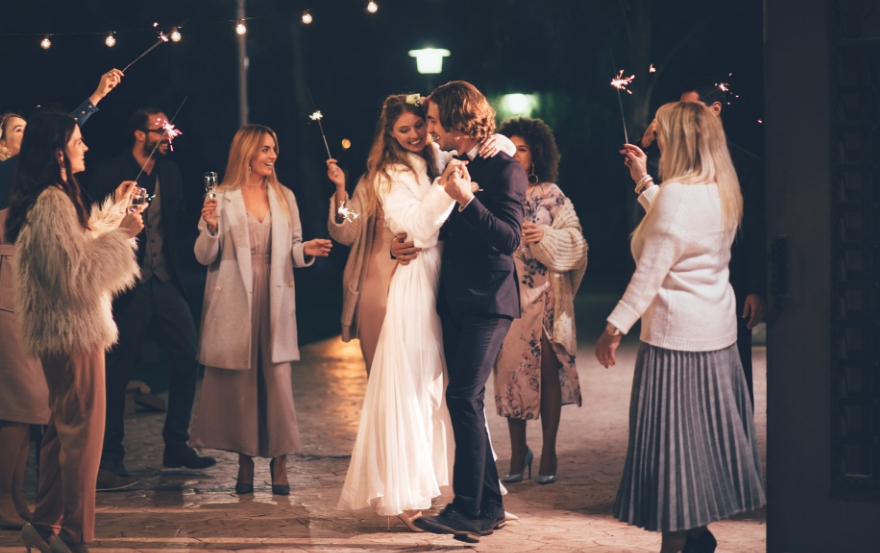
535 373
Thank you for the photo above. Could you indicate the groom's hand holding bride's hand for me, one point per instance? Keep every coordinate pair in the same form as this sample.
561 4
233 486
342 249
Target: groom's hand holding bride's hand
457 182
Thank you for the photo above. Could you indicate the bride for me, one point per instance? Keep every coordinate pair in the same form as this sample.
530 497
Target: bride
403 454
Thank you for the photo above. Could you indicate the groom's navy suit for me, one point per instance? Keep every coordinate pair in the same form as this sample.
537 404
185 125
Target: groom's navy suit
478 299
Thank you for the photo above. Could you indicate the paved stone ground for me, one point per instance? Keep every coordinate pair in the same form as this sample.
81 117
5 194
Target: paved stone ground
186 510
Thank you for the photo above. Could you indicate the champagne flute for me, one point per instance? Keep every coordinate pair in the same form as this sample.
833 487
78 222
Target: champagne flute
211 188
138 198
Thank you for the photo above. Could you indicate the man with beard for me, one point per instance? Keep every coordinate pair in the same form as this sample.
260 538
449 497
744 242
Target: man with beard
157 303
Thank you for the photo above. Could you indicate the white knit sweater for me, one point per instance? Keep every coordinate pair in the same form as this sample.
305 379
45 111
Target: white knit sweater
681 287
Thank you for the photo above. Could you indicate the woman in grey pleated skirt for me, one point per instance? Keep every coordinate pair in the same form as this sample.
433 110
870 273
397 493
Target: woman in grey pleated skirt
692 457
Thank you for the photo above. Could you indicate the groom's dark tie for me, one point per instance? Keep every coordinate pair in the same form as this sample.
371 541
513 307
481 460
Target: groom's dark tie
462 157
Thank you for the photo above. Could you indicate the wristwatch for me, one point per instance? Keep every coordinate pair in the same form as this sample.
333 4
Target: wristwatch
612 330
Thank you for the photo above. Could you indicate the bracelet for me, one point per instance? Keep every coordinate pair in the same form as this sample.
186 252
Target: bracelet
643 183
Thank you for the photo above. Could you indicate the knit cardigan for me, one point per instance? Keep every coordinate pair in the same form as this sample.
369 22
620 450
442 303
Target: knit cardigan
358 235
65 276
563 250
681 287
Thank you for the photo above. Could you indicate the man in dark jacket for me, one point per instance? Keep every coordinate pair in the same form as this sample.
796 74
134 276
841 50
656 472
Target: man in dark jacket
748 256
157 303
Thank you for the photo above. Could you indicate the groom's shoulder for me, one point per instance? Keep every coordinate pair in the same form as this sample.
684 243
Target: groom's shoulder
502 163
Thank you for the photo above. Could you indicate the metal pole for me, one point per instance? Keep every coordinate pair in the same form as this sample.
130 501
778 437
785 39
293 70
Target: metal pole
242 69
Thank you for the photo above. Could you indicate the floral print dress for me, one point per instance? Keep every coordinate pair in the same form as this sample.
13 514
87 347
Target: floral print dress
518 367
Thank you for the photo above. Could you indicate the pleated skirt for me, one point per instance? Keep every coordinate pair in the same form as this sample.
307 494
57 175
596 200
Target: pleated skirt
692 456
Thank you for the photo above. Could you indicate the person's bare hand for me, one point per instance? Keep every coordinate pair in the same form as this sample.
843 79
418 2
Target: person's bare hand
124 190
209 214
650 135
754 310
335 174
489 147
317 247
532 233
109 81
606 349
636 160
403 251
458 185
132 224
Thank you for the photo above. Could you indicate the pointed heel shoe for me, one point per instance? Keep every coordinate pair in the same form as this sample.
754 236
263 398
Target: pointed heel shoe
277 489
527 463
33 540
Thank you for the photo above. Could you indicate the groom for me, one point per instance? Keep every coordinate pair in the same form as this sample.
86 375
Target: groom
478 296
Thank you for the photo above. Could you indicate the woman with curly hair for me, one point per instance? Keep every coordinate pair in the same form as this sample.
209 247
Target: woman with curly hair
535 373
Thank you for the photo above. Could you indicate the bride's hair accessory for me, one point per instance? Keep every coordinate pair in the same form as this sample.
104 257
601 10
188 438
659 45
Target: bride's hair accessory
414 100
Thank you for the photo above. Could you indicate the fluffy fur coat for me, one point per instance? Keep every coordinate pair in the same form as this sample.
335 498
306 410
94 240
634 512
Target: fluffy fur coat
65 277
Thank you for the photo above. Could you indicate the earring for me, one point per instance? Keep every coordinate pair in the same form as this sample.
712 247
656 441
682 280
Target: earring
533 178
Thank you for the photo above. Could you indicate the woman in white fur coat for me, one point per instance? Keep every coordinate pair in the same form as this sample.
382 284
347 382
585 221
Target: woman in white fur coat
68 266
250 237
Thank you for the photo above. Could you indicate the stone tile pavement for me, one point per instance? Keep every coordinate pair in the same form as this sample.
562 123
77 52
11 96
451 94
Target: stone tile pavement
196 510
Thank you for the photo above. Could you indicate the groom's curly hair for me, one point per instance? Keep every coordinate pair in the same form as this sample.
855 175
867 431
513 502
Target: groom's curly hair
464 108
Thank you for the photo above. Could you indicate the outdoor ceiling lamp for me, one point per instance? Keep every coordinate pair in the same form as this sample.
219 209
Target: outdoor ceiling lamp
519 104
429 60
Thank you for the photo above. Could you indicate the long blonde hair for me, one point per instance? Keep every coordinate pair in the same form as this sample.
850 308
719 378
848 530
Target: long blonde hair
387 151
245 145
694 151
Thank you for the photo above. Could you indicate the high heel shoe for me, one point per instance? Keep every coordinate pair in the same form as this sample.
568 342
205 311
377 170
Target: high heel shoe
242 488
547 478
32 538
58 546
527 462
277 489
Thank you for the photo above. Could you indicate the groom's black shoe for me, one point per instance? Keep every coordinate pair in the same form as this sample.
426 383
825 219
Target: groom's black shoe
451 521
491 519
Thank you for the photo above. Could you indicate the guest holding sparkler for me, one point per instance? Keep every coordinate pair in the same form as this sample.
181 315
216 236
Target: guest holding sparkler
692 456
24 396
250 237
157 305
536 373
68 264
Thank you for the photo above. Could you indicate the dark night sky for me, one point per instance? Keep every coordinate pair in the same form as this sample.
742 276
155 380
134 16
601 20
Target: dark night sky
351 59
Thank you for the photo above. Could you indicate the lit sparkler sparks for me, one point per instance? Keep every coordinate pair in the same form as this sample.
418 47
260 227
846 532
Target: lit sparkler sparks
652 69
620 82
723 87
172 132
162 38
316 116
346 213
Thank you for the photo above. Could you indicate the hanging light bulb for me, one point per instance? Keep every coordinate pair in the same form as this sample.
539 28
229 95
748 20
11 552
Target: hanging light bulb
46 43
372 7
175 34
240 28
110 40
307 17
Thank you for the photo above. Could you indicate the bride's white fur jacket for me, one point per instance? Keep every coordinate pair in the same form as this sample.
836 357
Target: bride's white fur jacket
66 276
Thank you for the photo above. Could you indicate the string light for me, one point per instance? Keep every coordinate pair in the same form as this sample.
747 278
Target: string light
307 18
46 43
240 28
110 40
175 34
372 7
346 143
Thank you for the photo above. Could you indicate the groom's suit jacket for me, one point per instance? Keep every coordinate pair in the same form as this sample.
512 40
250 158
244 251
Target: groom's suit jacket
478 276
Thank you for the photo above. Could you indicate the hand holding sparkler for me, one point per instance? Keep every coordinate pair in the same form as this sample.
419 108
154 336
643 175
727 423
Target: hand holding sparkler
109 81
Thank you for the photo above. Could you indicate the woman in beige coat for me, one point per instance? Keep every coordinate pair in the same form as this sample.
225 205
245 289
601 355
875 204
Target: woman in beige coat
68 265
536 373
250 238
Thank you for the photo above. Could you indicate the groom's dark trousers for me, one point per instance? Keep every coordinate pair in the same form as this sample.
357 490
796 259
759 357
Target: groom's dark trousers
478 299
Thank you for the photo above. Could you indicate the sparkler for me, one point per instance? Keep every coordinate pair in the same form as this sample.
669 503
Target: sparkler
652 69
620 83
171 131
346 213
162 38
317 117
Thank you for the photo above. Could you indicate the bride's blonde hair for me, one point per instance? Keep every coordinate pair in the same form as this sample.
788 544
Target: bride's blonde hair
245 145
694 151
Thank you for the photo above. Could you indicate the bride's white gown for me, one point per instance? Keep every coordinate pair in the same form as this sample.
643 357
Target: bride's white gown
403 454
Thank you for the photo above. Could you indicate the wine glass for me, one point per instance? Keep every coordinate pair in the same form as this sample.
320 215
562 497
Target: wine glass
211 187
138 198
